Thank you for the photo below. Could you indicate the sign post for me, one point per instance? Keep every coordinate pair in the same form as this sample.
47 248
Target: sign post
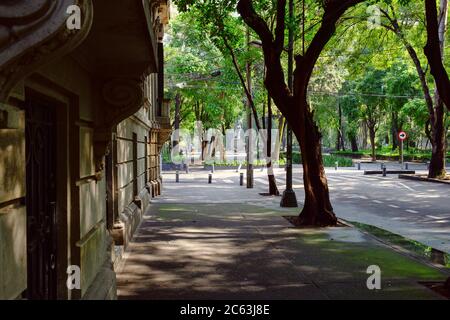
402 137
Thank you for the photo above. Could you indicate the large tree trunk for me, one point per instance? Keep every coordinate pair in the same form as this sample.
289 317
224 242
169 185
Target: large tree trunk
372 135
364 136
438 132
317 209
340 143
338 140
435 43
176 124
394 130
433 49
353 142
437 163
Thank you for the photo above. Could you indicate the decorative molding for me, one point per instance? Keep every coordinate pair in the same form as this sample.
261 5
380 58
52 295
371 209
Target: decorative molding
123 94
121 98
9 117
164 134
33 33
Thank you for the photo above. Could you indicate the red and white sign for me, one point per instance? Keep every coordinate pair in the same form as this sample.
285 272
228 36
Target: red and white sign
402 135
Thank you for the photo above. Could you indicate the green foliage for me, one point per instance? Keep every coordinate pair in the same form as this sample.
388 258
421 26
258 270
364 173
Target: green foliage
366 71
387 152
197 70
329 160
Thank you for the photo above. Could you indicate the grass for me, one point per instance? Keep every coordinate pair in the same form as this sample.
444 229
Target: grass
356 256
395 239
328 160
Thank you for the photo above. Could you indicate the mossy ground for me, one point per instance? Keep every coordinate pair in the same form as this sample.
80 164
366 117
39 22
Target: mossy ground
345 247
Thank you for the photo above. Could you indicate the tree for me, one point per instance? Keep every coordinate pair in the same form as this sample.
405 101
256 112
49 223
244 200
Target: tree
177 118
201 81
225 31
416 114
350 104
434 47
435 108
373 106
325 84
400 87
317 209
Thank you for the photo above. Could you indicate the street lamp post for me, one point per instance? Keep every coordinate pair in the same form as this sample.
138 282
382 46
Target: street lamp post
289 198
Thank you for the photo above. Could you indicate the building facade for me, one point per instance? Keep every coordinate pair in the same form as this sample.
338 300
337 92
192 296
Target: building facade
82 122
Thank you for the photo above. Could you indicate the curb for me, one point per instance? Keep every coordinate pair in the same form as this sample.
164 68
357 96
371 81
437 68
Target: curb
422 178
367 172
398 248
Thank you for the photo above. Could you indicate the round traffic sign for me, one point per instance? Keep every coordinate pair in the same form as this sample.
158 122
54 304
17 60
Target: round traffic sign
402 135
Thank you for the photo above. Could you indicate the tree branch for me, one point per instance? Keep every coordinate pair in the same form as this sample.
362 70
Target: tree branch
274 81
242 80
281 24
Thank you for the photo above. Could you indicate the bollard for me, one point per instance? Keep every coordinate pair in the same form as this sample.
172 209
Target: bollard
177 176
336 164
241 179
384 172
406 166
359 165
210 178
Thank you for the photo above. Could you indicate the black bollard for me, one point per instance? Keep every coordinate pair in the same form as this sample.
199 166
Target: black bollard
384 172
210 178
241 179
177 176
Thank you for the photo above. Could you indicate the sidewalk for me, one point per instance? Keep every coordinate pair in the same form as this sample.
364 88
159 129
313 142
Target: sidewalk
190 248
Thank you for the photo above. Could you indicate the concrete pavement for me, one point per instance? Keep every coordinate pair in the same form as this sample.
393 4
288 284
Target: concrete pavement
222 241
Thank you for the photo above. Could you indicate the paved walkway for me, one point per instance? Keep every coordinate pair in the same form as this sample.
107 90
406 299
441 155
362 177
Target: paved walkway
221 241
414 209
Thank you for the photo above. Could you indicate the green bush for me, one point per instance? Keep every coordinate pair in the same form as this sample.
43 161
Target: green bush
328 160
386 151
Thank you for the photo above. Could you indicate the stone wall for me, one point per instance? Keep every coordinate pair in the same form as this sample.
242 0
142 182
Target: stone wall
136 159
12 211
73 70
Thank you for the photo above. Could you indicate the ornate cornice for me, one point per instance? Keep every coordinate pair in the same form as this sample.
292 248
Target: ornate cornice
121 98
123 94
33 33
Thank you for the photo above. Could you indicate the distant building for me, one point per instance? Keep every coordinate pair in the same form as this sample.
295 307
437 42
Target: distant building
82 122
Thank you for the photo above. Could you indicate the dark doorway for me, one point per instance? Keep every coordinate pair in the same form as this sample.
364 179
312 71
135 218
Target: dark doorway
41 199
